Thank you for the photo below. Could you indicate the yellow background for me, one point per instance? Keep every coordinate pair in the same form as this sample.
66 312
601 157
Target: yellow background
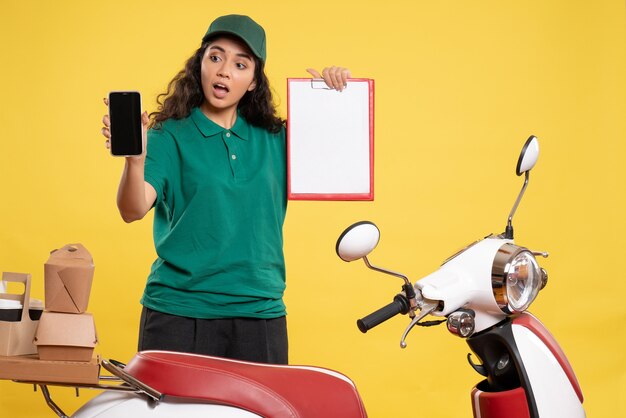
460 85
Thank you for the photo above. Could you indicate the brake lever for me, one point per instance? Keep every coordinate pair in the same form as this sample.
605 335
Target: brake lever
428 306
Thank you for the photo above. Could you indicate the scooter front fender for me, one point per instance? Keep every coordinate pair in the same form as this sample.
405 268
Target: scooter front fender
524 363
554 385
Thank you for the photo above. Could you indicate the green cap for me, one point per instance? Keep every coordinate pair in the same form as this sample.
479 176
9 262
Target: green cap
243 27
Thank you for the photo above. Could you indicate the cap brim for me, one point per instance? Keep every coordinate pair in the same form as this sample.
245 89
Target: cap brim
236 35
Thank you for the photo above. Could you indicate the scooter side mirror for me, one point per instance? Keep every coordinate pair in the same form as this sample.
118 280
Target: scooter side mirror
526 161
529 155
357 241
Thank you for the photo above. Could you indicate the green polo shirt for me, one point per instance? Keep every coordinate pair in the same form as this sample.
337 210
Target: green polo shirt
218 219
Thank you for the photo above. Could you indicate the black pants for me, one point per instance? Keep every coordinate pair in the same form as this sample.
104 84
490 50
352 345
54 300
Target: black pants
249 339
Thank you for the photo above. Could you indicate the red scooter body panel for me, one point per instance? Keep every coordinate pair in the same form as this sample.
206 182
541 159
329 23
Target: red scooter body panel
267 390
506 404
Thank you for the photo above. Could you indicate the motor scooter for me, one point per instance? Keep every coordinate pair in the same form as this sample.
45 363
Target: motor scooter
482 291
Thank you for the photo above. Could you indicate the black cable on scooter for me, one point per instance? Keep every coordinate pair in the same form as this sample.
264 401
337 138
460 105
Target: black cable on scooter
431 323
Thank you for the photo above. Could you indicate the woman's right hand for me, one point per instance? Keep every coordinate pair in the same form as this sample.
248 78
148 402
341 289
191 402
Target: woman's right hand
106 129
135 196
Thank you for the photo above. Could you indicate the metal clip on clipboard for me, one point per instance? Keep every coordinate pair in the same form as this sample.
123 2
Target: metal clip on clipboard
319 84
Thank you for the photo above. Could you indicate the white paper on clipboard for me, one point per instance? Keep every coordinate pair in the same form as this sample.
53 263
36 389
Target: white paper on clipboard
330 140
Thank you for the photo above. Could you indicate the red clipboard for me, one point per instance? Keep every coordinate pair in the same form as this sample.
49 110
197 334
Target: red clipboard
330 140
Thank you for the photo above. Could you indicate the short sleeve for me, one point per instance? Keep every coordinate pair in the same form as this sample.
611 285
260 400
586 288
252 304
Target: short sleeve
160 161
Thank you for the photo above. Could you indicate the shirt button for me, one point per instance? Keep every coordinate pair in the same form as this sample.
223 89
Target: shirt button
227 134
234 157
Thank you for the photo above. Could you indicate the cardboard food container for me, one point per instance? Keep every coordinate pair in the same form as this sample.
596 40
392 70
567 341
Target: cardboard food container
68 275
31 369
16 337
66 337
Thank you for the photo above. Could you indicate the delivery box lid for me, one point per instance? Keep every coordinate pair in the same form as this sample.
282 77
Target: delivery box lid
71 255
63 329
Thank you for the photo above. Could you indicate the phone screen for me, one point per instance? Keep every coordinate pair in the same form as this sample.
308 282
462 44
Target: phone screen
125 114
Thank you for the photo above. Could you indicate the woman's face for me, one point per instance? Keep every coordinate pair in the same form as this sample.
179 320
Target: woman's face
227 73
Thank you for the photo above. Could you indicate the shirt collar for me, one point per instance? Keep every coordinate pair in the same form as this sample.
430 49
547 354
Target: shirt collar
208 128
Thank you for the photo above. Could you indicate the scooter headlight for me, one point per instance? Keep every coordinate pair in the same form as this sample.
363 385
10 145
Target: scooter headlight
516 278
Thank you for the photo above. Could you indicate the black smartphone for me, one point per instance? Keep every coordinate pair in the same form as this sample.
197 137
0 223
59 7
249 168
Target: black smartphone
125 115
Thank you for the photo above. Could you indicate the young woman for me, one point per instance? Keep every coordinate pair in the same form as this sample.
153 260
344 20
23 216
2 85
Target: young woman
215 173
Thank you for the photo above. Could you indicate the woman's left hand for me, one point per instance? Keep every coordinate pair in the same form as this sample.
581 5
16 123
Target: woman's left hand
335 77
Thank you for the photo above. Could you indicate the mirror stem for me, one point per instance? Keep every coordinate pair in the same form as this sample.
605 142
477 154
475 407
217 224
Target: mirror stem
508 233
381 270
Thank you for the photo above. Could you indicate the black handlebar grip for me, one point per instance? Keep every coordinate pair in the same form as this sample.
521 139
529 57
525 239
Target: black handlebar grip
399 305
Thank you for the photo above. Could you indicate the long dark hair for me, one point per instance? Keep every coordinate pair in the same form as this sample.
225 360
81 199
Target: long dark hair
184 93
